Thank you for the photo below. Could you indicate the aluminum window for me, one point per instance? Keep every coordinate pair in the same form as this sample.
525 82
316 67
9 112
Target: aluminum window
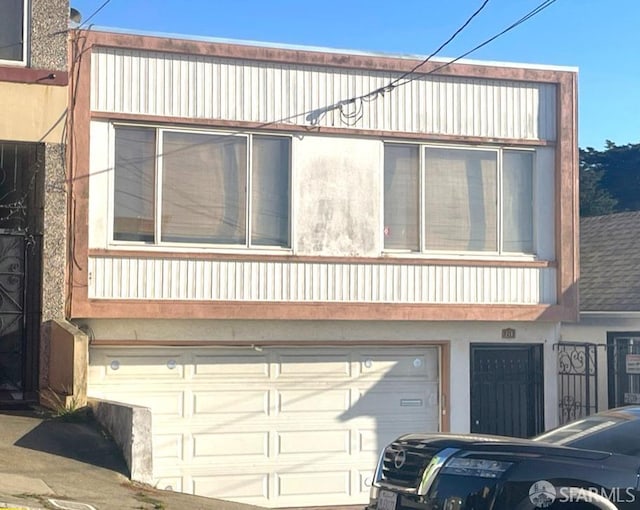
223 189
458 200
13 31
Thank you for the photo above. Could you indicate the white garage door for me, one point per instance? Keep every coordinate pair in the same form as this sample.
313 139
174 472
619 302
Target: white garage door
284 427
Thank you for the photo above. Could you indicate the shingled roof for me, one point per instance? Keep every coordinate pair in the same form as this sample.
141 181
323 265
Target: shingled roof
610 263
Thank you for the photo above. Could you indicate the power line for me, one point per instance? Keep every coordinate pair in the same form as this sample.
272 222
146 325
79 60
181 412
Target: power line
441 47
351 118
526 17
94 13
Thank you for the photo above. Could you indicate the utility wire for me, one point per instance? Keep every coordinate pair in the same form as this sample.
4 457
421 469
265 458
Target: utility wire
352 117
94 13
526 17
440 48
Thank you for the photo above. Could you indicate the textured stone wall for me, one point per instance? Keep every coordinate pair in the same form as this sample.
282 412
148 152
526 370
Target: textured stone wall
54 240
49 24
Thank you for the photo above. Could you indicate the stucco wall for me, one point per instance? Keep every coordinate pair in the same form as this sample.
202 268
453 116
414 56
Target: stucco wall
55 237
32 113
49 23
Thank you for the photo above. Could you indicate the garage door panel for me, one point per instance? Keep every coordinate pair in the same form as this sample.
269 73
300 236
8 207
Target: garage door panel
311 365
167 446
313 401
239 445
163 404
389 400
221 367
148 367
399 366
313 441
229 401
248 487
301 483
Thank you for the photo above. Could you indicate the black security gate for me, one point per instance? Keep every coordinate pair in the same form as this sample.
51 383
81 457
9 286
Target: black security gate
623 359
507 389
21 191
577 380
13 250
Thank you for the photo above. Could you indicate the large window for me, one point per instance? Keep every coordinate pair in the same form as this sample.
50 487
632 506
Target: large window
13 30
202 188
458 200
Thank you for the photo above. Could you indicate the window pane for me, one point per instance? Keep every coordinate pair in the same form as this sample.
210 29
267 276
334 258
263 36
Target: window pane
134 196
204 188
11 24
401 197
517 175
270 191
460 200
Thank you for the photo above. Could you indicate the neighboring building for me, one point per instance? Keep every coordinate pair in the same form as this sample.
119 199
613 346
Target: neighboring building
609 315
290 271
33 213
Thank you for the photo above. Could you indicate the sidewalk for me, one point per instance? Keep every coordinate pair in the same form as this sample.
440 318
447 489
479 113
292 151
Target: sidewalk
47 463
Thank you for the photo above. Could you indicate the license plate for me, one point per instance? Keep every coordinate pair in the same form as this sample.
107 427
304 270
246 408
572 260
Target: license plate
387 500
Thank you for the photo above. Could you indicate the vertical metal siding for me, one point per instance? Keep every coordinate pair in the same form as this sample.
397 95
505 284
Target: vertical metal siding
159 279
197 87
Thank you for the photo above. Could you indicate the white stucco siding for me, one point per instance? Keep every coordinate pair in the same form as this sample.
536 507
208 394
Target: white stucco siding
337 196
171 85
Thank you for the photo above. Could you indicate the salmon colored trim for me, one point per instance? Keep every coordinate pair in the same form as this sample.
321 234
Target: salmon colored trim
257 257
34 76
169 309
567 210
314 58
242 126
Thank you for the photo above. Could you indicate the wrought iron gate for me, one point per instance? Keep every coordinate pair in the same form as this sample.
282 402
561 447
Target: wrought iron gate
577 380
13 251
21 204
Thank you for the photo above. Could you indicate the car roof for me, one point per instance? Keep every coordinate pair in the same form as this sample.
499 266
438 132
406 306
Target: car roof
630 412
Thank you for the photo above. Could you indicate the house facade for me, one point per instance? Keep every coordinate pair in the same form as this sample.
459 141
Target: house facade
293 255
606 352
33 214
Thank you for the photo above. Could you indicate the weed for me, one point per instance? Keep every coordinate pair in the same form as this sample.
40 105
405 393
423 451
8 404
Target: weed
64 407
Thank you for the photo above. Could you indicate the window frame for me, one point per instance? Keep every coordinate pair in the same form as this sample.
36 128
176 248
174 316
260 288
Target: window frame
500 194
157 242
26 38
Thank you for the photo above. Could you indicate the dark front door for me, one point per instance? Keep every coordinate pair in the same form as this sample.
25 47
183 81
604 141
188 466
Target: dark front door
623 359
506 389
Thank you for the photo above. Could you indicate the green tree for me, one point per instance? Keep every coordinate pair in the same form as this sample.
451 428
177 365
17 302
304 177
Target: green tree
594 199
610 179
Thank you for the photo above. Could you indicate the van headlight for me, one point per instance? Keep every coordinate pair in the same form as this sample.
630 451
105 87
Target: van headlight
482 468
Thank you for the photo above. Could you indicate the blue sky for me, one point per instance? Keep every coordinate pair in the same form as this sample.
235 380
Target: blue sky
601 38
